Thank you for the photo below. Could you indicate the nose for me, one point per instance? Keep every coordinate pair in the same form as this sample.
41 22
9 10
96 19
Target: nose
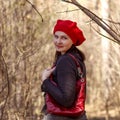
58 40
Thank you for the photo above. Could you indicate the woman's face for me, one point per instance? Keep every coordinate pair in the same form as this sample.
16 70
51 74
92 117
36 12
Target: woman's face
62 42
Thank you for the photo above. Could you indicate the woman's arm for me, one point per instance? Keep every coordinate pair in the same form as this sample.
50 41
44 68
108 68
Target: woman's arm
64 92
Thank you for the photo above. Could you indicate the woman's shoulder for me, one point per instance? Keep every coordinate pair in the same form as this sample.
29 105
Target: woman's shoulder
66 59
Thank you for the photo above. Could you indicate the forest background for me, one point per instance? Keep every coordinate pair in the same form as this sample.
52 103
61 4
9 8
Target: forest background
26 49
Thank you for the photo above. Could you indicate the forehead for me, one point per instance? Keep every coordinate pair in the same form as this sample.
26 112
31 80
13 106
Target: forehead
60 33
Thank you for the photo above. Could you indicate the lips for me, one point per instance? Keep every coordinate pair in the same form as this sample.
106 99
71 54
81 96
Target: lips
58 46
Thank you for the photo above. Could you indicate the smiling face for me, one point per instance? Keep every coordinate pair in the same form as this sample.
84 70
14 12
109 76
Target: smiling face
62 42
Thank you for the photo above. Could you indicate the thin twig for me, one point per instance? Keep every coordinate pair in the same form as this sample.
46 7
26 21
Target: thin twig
105 36
35 9
68 11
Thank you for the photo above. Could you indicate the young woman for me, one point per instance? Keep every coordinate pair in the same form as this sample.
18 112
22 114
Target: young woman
64 73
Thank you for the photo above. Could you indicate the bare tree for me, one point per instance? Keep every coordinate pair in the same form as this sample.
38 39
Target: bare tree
26 49
105 44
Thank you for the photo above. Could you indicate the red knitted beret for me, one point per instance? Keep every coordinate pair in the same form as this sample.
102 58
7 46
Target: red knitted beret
71 29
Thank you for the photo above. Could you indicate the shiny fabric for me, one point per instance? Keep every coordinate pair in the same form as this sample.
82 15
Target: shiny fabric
65 76
78 106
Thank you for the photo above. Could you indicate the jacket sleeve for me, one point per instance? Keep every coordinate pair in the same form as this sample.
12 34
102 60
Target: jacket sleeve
64 92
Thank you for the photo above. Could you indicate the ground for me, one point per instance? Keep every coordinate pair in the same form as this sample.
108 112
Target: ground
95 114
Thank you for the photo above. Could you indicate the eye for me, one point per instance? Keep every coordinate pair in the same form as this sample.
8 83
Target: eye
56 36
64 38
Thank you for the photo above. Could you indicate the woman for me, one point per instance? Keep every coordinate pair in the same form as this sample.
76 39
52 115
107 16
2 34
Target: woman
64 73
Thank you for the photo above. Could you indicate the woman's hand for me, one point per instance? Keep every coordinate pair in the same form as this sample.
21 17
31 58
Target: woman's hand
47 72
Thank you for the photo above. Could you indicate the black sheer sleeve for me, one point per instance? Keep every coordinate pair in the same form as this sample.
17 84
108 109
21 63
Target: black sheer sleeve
66 74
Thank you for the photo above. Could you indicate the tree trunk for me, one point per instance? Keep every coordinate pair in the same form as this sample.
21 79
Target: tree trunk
105 44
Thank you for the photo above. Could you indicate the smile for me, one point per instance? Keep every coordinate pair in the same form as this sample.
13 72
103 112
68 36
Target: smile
59 46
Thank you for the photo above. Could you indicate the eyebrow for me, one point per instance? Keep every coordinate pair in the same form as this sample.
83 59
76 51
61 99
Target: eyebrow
62 35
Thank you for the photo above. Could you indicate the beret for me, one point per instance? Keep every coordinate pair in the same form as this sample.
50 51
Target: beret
71 29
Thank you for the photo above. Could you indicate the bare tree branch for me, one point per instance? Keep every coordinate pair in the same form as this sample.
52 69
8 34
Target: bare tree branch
35 9
97 20
103 35
68 11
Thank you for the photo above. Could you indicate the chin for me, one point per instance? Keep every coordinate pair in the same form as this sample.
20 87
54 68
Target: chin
59 50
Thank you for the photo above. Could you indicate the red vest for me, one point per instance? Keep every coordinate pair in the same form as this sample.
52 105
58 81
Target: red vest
78 107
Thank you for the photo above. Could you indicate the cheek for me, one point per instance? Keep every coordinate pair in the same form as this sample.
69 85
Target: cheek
54 41
69 44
